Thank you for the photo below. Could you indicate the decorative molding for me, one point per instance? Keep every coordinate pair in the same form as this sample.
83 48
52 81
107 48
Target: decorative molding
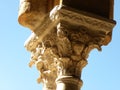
95 24
81 18
71 80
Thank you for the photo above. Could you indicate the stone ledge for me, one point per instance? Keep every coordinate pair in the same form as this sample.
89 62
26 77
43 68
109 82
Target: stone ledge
74 18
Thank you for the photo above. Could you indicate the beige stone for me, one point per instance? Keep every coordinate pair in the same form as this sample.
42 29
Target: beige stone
61 42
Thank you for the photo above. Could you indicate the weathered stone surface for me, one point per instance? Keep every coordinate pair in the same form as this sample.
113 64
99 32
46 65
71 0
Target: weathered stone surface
97 26
31 12
63 37
60 45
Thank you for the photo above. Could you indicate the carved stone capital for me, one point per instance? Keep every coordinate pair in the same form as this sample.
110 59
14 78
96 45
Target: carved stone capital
61 43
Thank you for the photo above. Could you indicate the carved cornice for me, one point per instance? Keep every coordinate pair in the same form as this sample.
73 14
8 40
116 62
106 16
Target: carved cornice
95 24
81 18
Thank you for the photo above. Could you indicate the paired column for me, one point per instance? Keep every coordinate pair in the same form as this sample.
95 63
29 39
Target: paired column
60 45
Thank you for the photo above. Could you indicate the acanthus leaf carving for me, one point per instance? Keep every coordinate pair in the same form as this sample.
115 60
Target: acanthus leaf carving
60 47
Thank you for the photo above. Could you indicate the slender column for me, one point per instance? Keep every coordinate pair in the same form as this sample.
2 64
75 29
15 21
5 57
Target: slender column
60 45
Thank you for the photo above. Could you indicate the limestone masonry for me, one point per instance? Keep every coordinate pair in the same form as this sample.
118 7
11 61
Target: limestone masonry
63 34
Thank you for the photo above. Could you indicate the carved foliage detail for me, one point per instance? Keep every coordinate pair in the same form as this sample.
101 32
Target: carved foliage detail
68 67
63 51
44 59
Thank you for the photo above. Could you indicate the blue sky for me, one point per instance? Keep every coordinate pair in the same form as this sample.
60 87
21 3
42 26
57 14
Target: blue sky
101 73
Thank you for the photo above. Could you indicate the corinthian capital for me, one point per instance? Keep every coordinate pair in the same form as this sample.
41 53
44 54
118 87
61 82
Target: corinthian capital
61 42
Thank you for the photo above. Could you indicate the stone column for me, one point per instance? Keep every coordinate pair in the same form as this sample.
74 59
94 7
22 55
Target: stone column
60 45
